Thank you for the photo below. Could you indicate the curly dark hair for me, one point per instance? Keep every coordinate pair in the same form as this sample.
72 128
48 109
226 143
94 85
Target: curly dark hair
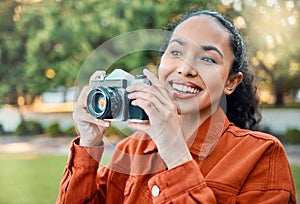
242 105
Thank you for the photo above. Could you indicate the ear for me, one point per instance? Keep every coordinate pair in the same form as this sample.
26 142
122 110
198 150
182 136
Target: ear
232 82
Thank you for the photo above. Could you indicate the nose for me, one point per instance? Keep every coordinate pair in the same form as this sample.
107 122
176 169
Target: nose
187 69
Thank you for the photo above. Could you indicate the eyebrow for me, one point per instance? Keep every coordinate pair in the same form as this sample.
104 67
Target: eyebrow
210 47
179 41
203 47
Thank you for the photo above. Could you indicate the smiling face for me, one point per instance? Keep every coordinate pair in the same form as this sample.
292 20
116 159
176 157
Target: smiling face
196 64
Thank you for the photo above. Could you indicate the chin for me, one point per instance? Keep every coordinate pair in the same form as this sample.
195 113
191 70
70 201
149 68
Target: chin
188 108
196 109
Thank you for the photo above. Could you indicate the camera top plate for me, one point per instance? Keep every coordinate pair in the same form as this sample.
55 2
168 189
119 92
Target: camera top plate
122 83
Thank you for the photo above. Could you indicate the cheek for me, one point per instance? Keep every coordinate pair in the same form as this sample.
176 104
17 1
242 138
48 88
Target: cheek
214 81
162 73
164 68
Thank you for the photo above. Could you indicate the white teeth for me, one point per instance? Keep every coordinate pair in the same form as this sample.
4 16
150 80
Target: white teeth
185 89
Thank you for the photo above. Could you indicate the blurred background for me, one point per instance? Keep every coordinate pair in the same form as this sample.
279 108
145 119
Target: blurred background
43 44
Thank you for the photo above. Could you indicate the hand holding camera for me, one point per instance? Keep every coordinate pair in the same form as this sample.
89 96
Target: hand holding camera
122 97
165 125
91 129
103 101
108 99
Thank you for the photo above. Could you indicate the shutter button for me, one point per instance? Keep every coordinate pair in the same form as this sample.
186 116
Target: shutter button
155 191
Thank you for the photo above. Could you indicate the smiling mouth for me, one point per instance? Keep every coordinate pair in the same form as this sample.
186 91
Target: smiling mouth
185 88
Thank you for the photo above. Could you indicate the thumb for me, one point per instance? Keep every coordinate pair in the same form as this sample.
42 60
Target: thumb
139 126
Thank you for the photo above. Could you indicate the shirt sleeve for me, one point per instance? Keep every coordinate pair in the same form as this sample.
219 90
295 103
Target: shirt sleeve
171 187
78 181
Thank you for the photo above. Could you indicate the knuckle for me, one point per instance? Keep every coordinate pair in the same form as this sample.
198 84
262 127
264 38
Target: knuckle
148 96
168 114
173 108
146 104
151 88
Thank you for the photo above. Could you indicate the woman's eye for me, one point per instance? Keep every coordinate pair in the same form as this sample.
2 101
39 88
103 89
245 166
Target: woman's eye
208 59
176 53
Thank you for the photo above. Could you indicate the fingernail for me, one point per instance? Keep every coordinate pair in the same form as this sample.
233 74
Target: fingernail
133 102
128 89
103 123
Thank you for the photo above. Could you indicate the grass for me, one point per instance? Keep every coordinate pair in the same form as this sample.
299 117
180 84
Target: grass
296 174
35 178
30 178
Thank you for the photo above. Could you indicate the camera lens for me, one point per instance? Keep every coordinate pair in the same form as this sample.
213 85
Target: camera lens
103 102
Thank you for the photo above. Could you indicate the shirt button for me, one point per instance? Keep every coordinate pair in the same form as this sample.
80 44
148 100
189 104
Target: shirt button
155 190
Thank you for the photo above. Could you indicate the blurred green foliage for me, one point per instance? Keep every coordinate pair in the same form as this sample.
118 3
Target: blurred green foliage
53 130
44 43
71 131
292 136
29 128
120 133
60 35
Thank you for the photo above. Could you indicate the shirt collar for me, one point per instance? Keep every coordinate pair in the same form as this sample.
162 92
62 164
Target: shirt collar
208 134
206 137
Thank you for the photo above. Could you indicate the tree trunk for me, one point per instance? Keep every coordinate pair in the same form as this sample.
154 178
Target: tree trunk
279 91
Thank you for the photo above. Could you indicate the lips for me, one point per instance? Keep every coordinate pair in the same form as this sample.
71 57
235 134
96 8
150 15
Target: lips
184 89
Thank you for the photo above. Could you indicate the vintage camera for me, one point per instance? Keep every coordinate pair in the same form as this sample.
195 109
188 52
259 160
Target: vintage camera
108 99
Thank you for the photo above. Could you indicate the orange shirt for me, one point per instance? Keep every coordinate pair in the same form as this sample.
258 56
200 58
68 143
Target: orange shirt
230 165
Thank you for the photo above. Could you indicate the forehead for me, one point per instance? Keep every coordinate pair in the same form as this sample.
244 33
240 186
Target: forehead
203 29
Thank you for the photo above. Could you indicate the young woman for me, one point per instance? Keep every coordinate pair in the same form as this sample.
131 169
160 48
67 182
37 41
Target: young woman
197 146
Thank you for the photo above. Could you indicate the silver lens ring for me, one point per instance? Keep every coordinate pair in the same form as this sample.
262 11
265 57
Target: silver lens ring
103 102
95 97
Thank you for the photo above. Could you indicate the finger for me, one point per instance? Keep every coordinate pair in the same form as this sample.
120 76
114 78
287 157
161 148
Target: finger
80 114
154 112
160 85
149 93
160 102
150 98
137 87
152 78
155 82
149 106
82 99
96 76
163 90
139 126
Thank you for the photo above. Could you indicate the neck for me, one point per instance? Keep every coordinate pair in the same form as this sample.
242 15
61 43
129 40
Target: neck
191 122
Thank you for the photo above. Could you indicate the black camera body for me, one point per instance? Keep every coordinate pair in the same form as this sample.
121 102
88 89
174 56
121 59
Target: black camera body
108 99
